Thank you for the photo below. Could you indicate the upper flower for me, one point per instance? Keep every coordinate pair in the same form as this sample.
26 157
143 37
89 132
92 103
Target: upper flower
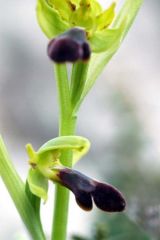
70 46
56 17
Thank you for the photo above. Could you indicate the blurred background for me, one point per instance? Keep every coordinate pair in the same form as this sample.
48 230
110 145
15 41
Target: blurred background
123 123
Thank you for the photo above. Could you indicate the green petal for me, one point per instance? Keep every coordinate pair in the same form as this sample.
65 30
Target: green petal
65 7
50 20
105 18
95 6
82 17
38 184
85 14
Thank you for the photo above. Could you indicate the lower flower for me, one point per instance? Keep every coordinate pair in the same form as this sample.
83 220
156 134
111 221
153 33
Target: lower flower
86 190
45 165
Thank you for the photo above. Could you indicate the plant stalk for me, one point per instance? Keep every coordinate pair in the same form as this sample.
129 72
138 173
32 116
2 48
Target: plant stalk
78 81
16 189
67 124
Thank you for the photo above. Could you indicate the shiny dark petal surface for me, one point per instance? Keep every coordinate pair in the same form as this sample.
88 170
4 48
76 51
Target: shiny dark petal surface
71 46
64 50
108 198
84 200
86 51
85 189
76 181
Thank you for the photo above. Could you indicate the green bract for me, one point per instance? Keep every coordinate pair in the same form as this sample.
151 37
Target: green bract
46 161
56 17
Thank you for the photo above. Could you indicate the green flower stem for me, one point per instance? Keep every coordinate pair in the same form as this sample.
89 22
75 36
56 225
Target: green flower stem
78 80
67 123
16 189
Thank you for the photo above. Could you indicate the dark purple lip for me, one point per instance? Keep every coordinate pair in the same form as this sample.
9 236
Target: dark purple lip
86 190
71 46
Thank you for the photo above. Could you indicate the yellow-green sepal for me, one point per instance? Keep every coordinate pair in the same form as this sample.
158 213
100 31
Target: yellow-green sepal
64 7
38 184
33 157
78 145
50 20
47 158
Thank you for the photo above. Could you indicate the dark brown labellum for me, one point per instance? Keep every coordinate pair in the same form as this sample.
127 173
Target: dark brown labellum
76 181
64 50
86 51
71 46
84 200
105 196
108 198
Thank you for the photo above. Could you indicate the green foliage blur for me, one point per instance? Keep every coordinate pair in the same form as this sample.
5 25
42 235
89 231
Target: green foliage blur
127 156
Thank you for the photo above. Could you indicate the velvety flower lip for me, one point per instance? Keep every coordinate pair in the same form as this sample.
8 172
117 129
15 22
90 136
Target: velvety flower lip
86 190
70 46
108 198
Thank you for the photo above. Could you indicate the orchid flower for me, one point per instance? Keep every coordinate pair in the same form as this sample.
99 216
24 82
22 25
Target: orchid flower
46 165
104 29
86 35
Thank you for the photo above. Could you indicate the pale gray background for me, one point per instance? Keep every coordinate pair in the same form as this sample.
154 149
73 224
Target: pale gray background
28 107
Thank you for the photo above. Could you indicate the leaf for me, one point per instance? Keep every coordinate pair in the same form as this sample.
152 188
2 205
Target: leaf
38 184
35 201
50 20
122 228
16 189
128 12
79 73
